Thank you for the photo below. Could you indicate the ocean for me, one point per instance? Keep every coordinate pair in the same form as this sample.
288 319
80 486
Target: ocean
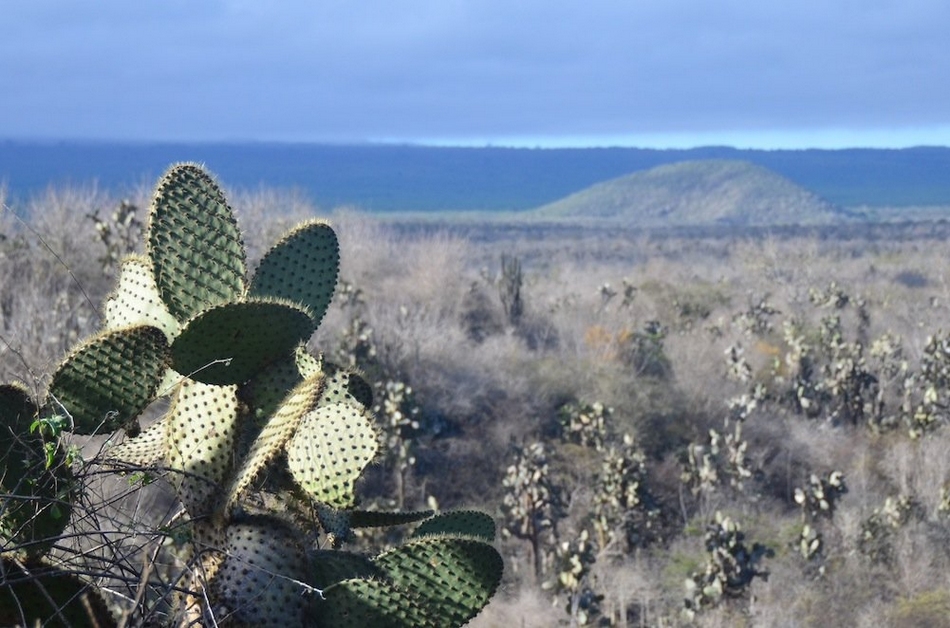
381 178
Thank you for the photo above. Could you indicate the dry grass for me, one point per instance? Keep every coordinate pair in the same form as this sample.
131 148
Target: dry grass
506 387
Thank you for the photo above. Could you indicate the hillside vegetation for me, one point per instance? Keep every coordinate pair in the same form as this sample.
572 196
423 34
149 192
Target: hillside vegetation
655 422
707 192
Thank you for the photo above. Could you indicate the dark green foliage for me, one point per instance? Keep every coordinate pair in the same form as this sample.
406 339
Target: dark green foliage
230 343
731 566
430 582
509 289
643 351
301 268
35 481
327 567
470 523
36 593
108 381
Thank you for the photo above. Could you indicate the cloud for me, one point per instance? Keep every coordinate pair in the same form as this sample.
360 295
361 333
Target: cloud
426 69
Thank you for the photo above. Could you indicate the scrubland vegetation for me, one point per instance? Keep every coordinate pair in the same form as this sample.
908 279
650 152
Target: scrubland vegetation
745 429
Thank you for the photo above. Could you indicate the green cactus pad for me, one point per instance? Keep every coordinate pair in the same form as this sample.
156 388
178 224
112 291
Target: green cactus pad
377 519
110 379
470 523
261 581
145 450
364 603
453 577
302 267
200 432
17 413
344 386
270 387
328 567
231 343
306 363
34 507
329 451
335 523
136 301
194 243
279 429
35 594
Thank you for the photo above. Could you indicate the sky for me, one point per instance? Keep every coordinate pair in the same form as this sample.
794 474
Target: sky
546 73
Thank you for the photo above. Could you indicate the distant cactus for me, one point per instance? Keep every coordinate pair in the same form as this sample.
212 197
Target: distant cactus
533 502
818 501
585 424
509 289
119 233
250 409
876 540
624 511
730 568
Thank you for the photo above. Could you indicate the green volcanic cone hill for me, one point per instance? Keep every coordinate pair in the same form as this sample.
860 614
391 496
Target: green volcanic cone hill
708 192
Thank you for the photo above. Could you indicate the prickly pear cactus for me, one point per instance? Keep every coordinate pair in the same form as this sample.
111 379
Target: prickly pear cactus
251 410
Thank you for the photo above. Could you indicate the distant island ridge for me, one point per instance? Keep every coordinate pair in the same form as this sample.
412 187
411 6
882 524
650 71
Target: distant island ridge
709 192
407 178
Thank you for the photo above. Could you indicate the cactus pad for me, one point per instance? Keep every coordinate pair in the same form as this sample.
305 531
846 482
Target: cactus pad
200 436
302 267
110 379
364 603
379 519
470 523
453 577
146 449
329 451
279 429
228 344
260 582
17 412
136 301
330 566
270 387
345 386
194 243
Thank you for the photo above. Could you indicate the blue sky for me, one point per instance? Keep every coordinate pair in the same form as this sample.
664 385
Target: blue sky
663 73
